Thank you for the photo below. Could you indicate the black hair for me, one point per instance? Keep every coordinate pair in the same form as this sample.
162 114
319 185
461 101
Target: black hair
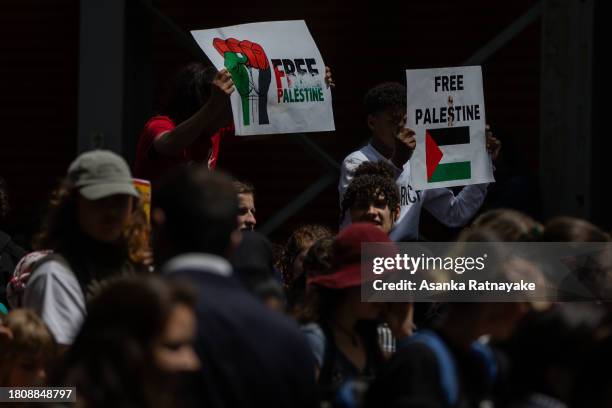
252 261
571 229
318 258
316 262
380 168
366 188
300 239
200 207
388 95
557 339
190 89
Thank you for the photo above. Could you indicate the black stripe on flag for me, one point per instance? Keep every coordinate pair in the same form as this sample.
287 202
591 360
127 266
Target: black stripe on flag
450 136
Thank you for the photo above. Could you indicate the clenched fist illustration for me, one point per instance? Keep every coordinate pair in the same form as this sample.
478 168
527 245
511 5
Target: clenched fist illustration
240 59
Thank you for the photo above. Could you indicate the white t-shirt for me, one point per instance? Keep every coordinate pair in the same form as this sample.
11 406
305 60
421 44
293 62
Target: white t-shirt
451 210
54 293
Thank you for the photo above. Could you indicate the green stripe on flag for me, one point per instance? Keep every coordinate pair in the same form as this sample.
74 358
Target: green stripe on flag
451 171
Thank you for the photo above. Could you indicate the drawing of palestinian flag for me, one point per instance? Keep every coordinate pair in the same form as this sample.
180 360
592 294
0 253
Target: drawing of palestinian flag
447 153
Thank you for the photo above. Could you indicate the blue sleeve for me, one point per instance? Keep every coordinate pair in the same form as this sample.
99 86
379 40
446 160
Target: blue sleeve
316 339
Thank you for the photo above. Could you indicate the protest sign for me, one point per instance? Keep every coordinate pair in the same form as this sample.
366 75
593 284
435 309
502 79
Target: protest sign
144 189
446 111
278 74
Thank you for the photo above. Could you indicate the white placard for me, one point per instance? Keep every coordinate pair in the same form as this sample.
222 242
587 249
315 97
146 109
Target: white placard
278 74
447 112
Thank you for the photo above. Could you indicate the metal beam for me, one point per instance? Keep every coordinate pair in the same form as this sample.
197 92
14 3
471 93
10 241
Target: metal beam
186 41
138 76
316 152
565 107
298 203
505 36
101 68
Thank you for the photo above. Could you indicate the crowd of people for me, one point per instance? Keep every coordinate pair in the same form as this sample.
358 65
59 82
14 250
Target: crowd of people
191 306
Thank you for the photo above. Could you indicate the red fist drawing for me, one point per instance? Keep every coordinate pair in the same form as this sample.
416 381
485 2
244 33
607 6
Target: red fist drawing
240 57
254 52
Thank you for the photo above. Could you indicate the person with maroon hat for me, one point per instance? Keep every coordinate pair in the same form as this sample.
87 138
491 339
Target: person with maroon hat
340 328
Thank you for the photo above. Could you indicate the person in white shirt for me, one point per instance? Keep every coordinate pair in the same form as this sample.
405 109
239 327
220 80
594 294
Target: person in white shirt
385 106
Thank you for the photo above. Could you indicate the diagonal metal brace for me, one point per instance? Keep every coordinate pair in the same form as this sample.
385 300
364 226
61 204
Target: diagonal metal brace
297 203
302 140
184 39
506 35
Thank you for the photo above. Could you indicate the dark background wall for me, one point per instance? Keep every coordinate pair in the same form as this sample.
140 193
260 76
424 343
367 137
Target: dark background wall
38 101
363 43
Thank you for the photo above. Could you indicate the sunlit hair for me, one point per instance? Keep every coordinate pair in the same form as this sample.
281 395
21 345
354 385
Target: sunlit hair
572 229
23 335
366 189
510 225
301 238
244 187
61 225
316 262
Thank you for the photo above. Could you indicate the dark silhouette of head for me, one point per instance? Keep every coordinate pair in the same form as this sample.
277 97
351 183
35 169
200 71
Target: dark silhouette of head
194 210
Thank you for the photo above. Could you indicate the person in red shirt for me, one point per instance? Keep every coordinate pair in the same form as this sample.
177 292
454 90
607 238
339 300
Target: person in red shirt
196 117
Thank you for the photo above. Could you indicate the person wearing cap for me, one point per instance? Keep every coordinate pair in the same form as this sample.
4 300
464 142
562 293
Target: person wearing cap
342 329
96 229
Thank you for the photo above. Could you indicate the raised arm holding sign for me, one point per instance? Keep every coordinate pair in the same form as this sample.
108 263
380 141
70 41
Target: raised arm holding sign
282 87
446 111
196 115
392 142
282 82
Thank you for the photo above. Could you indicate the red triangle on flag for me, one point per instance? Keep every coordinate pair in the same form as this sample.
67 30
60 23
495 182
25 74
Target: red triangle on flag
433 154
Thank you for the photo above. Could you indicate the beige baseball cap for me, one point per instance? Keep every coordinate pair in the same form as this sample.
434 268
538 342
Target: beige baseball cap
101 173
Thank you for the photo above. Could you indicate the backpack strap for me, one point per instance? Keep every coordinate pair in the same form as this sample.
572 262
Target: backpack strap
329 356
446 363
54 256
485 354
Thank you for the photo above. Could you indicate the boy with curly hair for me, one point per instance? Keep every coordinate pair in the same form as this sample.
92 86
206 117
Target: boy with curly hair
391 142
